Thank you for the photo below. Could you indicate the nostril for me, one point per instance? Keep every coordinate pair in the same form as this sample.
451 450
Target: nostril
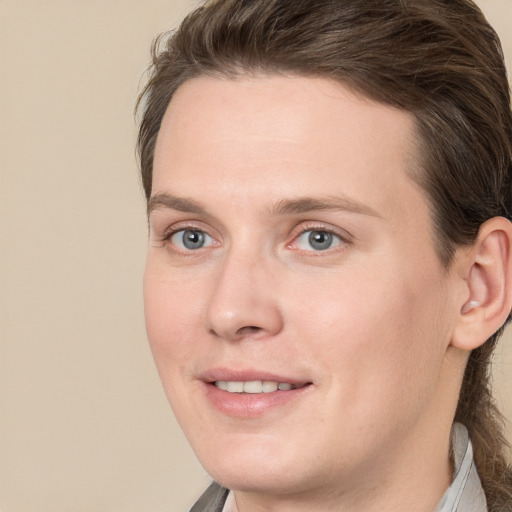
249 329
240 333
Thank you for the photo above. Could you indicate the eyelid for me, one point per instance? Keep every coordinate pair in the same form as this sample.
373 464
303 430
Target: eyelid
185 225
344 236
161 233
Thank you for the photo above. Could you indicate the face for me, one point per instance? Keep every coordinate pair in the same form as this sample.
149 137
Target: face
295 305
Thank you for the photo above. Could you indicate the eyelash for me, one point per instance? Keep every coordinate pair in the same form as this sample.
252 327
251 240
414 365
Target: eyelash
169 233
343 239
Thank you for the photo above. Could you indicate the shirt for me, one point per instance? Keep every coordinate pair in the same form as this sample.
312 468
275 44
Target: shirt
465 494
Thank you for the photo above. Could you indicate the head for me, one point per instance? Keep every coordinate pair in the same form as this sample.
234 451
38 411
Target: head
436 66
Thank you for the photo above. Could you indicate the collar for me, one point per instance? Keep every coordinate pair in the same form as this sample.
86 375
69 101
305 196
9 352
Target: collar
230 505
466 493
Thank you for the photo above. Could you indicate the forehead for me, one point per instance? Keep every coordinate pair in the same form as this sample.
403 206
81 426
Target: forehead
280 106
270 136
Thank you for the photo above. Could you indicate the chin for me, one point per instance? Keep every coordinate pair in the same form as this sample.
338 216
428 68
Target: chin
252 466
258 480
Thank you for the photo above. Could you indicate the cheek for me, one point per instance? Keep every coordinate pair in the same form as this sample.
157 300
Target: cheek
376 336
172 320
171 311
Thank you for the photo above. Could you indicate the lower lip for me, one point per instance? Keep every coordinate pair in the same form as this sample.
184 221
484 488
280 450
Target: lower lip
251 405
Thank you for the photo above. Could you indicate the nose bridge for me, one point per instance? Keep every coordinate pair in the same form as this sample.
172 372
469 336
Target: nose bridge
242 302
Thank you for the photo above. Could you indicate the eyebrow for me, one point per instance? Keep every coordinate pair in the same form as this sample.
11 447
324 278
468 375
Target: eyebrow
168 201
330 203
284 207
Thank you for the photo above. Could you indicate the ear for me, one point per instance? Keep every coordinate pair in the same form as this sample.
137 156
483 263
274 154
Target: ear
488 276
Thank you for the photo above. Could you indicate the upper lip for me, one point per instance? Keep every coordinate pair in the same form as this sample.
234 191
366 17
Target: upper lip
246 375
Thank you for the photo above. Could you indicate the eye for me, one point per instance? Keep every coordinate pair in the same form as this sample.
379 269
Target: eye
317 240
190 239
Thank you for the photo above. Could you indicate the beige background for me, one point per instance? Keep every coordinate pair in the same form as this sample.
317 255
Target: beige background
84 425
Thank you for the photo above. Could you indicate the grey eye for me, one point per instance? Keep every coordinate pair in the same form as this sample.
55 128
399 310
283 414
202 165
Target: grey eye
191 239
317 240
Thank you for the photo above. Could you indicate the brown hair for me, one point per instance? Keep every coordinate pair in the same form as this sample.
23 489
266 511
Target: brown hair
438 59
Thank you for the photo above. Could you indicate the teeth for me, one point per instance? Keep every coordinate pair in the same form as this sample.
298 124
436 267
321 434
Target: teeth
254 386
268 386
235 387
222 384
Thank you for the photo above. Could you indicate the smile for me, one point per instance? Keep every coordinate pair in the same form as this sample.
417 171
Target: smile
255 386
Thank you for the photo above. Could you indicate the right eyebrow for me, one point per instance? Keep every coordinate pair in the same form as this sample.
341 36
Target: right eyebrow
168 201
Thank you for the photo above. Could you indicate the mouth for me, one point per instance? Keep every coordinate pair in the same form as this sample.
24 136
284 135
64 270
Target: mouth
256 386
252 393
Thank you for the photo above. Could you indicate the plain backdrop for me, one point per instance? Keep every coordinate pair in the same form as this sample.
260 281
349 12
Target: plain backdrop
84 425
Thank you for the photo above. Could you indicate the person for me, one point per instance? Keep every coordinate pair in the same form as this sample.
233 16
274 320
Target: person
329 269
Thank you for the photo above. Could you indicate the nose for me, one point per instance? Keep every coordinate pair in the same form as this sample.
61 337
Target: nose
243 301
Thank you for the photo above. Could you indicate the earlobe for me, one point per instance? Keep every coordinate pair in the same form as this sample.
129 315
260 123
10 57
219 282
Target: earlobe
489 282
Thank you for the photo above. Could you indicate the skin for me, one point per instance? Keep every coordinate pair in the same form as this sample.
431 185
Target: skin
368 322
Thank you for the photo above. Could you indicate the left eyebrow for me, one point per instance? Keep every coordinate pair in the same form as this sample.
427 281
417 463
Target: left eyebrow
311 204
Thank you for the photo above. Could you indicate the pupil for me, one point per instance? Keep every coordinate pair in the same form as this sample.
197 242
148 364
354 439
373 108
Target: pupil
193 239
320 240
